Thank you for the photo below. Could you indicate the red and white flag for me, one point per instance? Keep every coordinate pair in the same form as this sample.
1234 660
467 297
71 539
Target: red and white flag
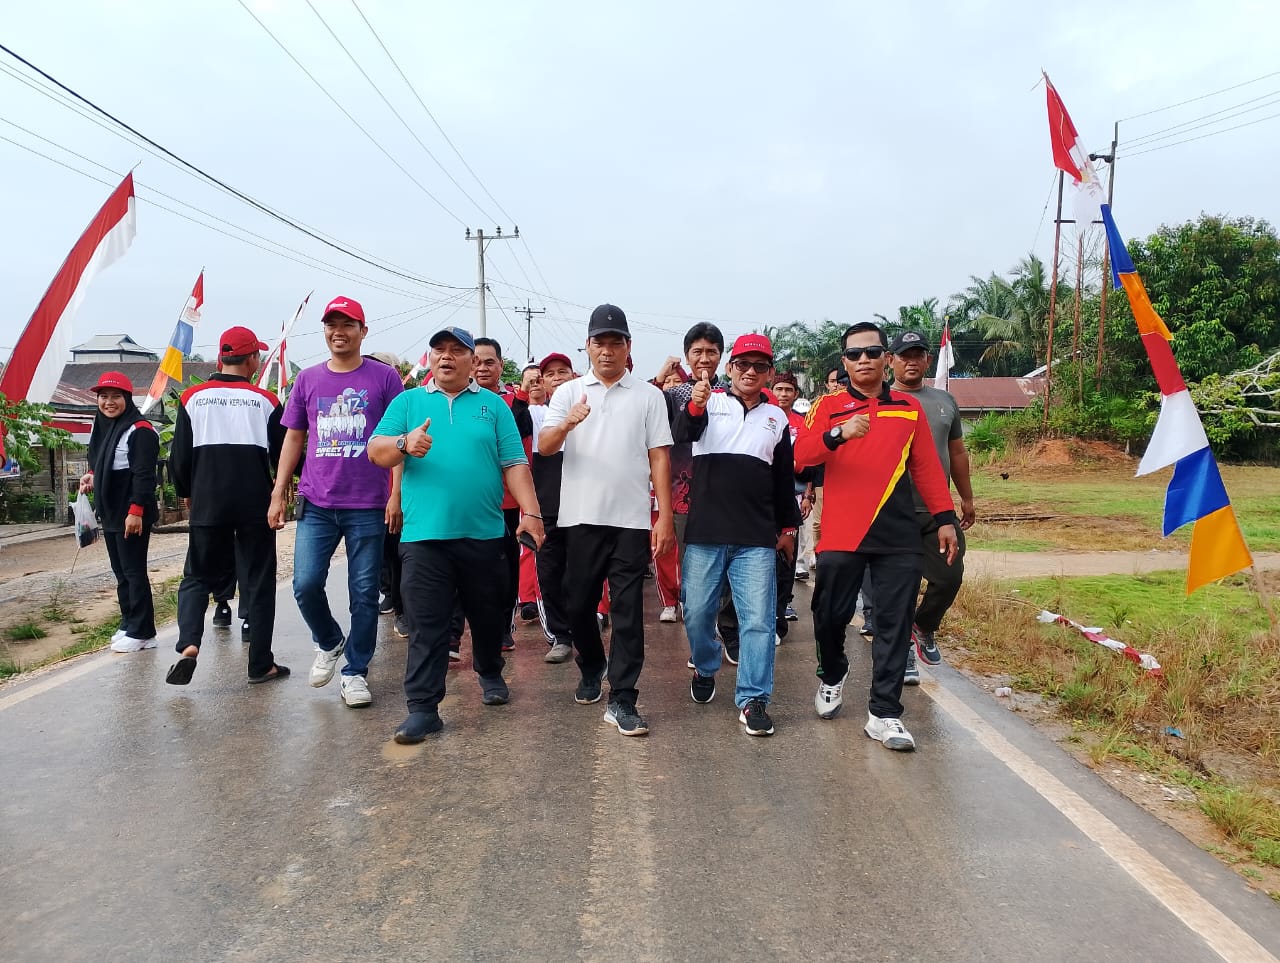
1070 157
36 364
946 359
276 358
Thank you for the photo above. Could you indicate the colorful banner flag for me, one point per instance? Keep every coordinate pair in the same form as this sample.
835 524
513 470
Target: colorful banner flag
180 343
1070 157
946 359
36 365
1196 492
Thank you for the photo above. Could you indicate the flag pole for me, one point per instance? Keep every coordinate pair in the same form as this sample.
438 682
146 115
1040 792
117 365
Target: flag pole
1262 596
1053 298
1106 256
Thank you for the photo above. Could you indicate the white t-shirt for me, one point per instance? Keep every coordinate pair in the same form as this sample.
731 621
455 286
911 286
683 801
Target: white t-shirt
606 458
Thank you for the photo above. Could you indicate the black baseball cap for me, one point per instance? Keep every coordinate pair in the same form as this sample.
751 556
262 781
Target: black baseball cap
608 319
908 340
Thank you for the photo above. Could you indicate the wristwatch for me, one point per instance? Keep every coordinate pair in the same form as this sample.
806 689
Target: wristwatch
836 435
401 442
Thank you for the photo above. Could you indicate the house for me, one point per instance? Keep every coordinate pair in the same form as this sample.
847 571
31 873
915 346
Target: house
114 348
982 396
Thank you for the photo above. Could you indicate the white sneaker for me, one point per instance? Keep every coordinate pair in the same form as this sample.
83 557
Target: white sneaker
890 733
777 640
120 634
829 699
668 614
325 663
355 691
127 643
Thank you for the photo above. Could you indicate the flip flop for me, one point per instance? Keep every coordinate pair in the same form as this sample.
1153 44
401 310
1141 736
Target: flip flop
279 672
180 672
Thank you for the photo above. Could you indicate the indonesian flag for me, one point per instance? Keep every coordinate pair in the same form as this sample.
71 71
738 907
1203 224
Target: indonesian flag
179 345
276 358
1070 157
423 364
946 359
36 364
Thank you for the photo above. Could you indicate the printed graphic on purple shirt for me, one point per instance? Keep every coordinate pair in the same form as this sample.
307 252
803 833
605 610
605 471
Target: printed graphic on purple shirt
339 411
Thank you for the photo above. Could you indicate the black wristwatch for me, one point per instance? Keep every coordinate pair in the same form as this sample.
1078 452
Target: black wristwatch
837 436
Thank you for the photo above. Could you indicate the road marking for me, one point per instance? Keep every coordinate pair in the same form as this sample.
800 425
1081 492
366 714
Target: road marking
1226 938
56 678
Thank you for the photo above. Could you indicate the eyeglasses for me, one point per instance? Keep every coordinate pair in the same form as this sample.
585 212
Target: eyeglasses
759 367
873 352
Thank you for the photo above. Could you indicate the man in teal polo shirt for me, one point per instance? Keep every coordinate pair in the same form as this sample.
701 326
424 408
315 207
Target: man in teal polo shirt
458 443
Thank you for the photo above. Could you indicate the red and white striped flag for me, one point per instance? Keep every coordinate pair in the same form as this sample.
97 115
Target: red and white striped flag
36 364
946 359
1070 157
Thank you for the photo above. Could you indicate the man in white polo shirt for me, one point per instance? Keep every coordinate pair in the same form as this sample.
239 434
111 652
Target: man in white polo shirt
616 437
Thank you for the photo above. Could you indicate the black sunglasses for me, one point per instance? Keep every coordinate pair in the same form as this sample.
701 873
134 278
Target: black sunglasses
759 367
873 352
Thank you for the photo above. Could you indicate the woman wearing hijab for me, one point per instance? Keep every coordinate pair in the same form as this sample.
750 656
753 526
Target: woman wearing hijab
123 449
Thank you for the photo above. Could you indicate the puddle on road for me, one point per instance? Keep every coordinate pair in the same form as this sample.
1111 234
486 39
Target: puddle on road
401 755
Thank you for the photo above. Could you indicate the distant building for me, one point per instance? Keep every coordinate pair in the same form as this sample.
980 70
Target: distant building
114 348
983 396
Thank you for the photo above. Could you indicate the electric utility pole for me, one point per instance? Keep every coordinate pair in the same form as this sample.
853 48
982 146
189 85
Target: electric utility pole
528 326
482 241
1110 160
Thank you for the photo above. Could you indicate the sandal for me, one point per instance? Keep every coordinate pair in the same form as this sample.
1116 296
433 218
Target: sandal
277 671
180 672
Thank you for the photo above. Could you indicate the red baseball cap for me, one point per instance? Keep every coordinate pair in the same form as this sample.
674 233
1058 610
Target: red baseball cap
555 356
239 341
114 379
347 306
748 343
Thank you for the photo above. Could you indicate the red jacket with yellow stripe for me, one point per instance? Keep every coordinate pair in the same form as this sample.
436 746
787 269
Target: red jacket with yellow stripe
867 502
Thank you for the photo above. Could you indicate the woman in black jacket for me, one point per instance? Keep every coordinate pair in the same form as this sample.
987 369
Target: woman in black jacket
123 449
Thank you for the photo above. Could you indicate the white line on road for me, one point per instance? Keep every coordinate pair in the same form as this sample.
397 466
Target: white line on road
1226 939
56 678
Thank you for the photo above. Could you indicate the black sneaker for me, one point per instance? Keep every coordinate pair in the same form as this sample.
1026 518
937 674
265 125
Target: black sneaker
791 615
385 607
401 626
912 675
222 616
702 688
494 691
624 716
926 646
508 643
244 631
731 652
529 612
755 716
589 688
868 629
417 727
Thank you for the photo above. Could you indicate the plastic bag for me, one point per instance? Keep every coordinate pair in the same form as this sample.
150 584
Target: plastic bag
86 522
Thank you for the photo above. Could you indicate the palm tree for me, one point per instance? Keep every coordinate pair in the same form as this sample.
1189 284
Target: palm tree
810 350
1012 314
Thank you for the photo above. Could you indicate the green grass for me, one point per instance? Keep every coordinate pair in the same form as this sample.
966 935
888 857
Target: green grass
1116 493
24 632
978 538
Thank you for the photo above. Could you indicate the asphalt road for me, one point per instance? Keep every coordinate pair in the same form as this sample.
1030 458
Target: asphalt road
139 821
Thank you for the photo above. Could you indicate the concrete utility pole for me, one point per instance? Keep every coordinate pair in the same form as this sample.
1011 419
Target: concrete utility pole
482 241
528 327
1110 159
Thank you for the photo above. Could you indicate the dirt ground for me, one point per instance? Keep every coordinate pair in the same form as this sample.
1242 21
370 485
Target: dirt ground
48 577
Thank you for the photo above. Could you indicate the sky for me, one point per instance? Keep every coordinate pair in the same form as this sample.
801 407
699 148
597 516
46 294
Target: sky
746 163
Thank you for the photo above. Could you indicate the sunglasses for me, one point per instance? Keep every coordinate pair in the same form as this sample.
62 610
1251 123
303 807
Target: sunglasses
759 367
873 352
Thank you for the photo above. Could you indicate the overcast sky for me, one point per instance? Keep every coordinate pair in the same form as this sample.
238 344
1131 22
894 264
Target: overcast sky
751 163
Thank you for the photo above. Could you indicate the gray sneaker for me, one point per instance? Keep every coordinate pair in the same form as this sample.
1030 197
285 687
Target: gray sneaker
559 652
912 675
401 627
624 716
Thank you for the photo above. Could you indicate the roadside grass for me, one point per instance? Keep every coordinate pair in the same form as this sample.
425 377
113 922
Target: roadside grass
1100 496
24 632
1220 688
92 637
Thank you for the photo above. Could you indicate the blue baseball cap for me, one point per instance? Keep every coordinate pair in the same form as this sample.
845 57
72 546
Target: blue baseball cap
461 335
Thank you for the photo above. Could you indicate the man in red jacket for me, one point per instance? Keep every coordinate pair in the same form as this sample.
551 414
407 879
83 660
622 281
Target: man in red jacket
874 443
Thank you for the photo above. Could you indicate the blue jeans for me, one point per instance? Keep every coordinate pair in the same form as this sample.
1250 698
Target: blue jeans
752 575
319 530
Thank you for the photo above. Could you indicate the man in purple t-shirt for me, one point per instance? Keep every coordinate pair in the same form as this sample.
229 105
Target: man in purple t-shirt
331 413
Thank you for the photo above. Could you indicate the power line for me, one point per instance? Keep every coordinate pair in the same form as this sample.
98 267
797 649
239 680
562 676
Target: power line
270 212
74 107
346 113
398 116
1192 100
427 110
1197 123
1212 133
